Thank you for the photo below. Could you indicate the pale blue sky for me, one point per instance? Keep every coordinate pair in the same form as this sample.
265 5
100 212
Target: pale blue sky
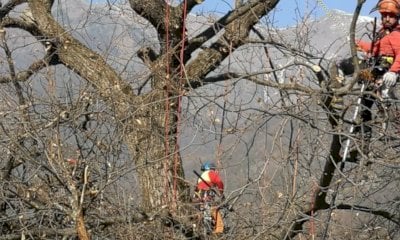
287 11
322 7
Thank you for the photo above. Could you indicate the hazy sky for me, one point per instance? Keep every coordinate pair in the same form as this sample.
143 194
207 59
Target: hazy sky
287 11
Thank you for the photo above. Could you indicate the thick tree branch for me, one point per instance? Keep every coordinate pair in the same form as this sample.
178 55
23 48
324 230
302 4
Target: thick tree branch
6 8
191 4
32 69
28 26
151 10
253 78
82 60
381 213
231 16
155 11
235 35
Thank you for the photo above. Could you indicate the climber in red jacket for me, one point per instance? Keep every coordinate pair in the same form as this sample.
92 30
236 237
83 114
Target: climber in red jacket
209 186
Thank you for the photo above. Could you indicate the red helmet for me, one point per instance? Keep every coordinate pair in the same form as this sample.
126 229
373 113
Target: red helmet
388 6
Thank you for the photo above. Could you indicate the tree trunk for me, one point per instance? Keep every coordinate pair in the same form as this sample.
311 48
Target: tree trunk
153 143
149 120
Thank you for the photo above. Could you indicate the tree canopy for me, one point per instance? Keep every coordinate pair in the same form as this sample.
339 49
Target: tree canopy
106 110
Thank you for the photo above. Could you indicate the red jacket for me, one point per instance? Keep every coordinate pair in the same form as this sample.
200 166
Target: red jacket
213 180
388 45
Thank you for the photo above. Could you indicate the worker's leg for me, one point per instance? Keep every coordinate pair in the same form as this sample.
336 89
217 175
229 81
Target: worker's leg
219 224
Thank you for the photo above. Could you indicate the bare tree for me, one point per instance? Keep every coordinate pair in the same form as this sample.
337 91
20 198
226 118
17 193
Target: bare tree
86 123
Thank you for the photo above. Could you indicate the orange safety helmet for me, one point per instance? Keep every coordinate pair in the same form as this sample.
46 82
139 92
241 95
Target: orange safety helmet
388 6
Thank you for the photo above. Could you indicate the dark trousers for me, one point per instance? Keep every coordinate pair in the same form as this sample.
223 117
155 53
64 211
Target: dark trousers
367 102
364 130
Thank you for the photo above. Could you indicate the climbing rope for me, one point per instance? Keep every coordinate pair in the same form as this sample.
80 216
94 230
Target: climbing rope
179 107
167 104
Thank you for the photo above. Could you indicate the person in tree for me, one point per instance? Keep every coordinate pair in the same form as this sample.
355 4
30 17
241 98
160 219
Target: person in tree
209 186
386 48
384 54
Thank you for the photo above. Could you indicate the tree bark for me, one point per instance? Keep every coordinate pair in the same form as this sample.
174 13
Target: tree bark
150 122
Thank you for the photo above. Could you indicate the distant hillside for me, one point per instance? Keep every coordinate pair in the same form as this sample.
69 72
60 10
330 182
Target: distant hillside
118 33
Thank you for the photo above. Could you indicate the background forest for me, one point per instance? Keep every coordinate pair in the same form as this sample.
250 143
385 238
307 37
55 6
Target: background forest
106 110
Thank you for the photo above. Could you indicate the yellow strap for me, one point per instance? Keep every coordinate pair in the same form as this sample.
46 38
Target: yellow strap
388 59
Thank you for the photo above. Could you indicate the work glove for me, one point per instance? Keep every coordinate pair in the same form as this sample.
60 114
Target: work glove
390 79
